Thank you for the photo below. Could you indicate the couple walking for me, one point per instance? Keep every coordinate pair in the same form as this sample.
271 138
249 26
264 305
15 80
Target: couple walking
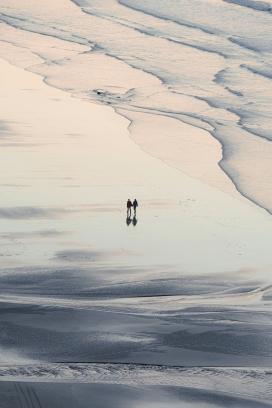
130 204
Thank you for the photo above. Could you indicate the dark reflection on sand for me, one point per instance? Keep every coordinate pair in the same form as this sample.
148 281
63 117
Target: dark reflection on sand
36 234
78 314
42 394
117 281
25 213
128 221
139 384
72 334
133 220
75 255
5 128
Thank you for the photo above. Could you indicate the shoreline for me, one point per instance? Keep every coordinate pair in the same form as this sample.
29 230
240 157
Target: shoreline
205 168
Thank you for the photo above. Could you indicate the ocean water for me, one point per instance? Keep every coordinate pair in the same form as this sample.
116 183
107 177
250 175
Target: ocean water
205 63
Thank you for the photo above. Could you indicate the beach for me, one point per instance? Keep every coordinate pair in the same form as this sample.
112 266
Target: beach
169 307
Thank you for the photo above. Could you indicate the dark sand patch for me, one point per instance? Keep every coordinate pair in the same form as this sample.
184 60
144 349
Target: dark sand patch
71 395
75 255
36 234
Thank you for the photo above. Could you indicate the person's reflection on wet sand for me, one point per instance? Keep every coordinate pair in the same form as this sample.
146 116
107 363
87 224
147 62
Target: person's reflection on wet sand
128 221
134 221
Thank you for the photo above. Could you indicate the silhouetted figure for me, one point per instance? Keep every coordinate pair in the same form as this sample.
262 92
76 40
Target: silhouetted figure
128 221
135 205
134 221
129 205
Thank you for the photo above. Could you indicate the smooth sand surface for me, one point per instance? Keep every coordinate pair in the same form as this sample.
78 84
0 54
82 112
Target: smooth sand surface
188 285
71 395
122 385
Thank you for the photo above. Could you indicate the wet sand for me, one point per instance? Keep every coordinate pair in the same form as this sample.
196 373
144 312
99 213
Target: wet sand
188 285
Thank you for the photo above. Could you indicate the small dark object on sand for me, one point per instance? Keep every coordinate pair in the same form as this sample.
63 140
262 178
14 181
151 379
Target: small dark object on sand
135 205
129 205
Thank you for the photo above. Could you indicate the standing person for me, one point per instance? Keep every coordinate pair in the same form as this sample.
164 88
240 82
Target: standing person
135 205
129 205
